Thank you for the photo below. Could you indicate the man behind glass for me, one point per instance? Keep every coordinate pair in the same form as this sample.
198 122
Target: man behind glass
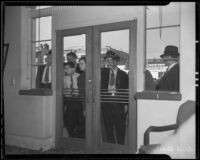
73 113
170 80
113 79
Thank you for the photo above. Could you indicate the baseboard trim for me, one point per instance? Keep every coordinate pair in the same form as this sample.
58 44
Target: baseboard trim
41 144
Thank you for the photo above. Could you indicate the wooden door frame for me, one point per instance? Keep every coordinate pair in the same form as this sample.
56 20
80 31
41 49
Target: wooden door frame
92 143
131 147
87 142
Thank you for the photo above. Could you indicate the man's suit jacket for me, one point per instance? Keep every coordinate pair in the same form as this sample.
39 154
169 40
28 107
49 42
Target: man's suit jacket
170 80
78 70
81 80
149 82
81 85
39 83
121 79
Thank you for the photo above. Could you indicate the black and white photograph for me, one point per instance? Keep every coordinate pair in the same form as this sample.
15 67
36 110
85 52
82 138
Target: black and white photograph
100 79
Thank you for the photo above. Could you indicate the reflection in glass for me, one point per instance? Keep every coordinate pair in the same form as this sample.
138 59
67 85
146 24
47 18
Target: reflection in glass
114 86
156 67
74 86
41 64
40 52
161 31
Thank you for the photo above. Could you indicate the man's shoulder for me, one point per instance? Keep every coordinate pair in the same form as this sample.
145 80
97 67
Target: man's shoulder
175 68
122 72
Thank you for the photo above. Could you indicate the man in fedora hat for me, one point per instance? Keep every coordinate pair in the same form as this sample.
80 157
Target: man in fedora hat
170 80
113 113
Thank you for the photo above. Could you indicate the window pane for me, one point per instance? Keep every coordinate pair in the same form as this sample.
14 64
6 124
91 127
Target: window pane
158 16
77 44
40 49
74 83
171 14
108 41
114 86
43 28
152 16
155 66
41 64
156 43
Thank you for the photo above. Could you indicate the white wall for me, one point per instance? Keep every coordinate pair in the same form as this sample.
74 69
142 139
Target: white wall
28 119
154 112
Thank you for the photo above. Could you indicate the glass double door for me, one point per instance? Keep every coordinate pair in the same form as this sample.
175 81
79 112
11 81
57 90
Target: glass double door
97 108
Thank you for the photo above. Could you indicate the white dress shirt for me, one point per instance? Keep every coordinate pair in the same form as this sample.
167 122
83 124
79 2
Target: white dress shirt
67 84
112 88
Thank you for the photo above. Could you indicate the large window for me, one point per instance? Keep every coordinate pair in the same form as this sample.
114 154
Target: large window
162 47
41 45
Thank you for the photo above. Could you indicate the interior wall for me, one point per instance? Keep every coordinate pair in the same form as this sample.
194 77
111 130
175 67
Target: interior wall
27 118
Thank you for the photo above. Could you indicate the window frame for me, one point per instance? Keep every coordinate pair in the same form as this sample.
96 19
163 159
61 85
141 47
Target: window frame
30 50
156 94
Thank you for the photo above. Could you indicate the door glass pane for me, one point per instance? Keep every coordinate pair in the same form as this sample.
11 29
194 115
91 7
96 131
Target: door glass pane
74 86
114 86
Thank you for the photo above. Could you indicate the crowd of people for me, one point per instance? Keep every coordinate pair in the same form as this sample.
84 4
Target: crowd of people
113 79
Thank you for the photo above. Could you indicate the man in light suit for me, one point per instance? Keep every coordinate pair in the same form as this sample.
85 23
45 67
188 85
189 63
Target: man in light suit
43 78
113 113
170 80
73 112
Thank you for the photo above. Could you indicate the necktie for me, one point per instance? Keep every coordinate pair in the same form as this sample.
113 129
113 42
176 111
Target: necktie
46 78
112 78
71 85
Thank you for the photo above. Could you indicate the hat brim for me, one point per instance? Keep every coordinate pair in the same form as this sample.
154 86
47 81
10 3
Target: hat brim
170 59
173 56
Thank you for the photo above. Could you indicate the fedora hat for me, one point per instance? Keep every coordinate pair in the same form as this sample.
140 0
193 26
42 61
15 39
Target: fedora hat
170 51
112 54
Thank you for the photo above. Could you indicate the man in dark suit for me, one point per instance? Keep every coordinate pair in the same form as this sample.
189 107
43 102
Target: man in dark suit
81 86
149 82
113 113
170 80
81 80
71 57
43 78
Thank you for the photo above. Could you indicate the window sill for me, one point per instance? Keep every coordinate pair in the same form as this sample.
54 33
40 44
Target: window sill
159 95
36 92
